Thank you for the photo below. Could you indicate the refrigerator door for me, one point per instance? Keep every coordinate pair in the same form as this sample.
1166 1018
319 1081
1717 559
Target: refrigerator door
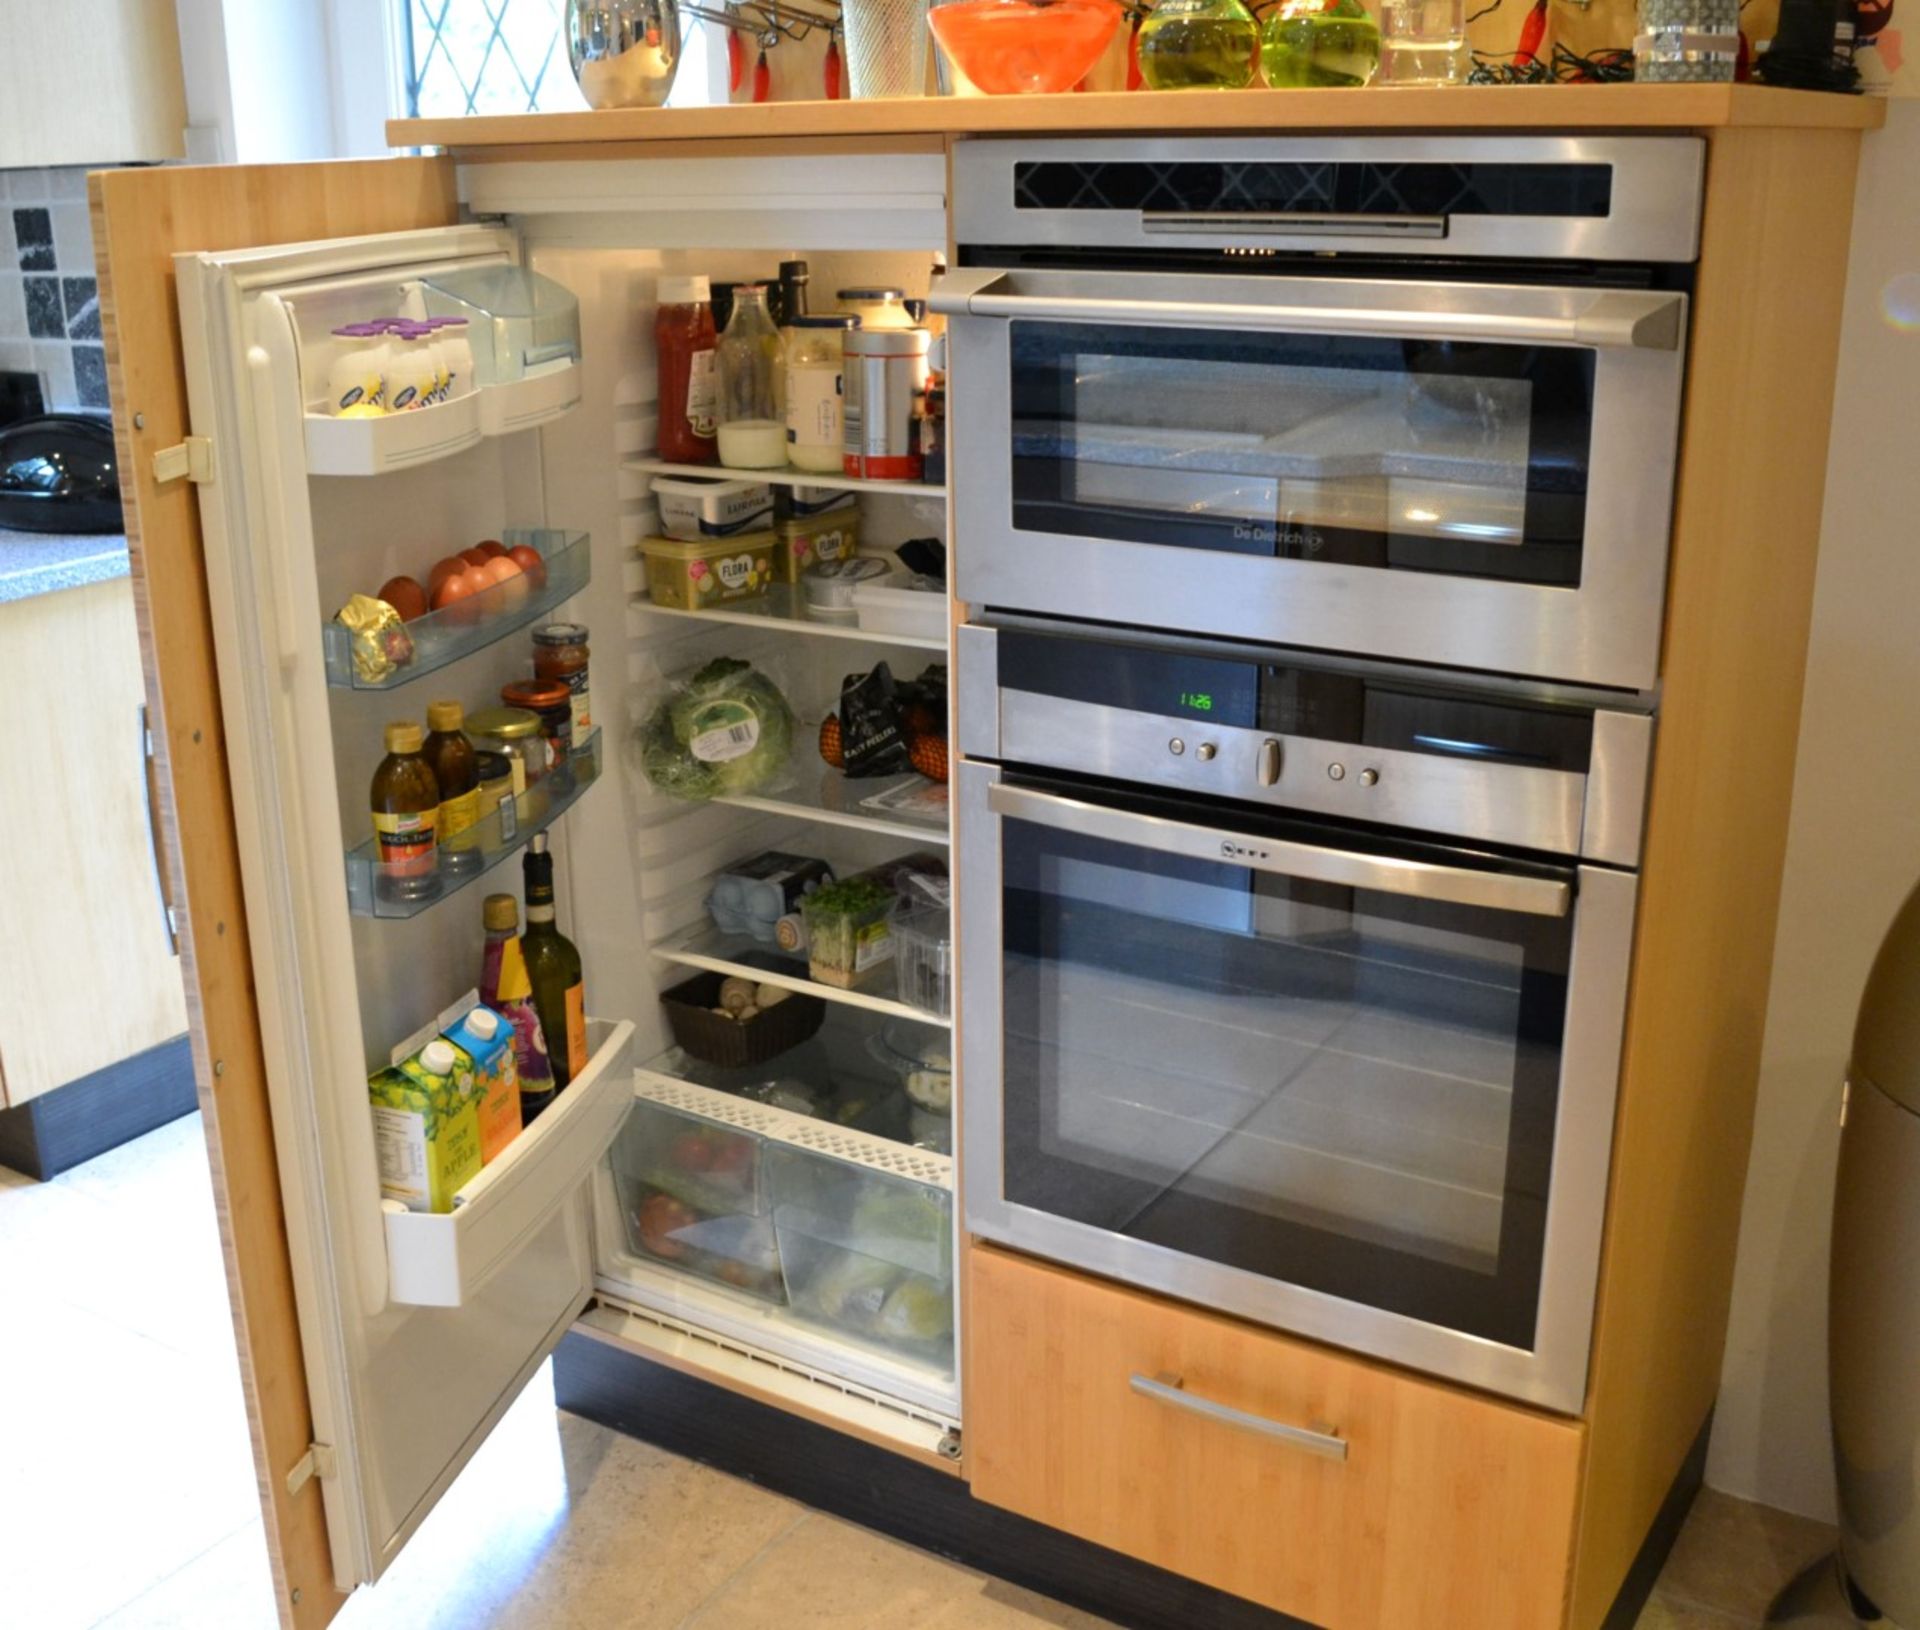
401 1393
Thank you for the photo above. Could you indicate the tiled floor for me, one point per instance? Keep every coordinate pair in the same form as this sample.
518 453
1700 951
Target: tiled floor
126 1484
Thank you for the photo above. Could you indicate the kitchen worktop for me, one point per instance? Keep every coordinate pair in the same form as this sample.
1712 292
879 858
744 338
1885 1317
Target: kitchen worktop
1261 111
35 563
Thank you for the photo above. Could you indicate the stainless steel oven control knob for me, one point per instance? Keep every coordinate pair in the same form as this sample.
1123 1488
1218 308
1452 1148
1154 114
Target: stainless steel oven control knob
1336 772
1369 777
1205 751
1269 771
1176 747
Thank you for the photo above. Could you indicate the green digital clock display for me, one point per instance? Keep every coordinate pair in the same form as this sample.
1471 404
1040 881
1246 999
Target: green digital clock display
1197 701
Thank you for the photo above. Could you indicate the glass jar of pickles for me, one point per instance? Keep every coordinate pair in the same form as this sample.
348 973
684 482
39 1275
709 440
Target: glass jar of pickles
1319 43
1198 45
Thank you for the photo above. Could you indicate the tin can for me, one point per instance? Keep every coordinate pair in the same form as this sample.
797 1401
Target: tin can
885 380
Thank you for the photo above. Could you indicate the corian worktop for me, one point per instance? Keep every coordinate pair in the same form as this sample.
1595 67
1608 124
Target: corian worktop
35 563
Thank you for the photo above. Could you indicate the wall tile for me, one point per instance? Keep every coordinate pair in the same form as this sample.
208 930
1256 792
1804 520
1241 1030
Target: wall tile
53 362
82 308
90 375
16 357
13 306
33 232
9 261
70 182
45 319
72 239
26 185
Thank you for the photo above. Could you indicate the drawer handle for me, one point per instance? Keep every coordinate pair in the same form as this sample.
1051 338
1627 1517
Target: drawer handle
1170 1389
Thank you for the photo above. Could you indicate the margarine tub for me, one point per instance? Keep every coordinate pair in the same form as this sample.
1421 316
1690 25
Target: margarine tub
712 572
805 542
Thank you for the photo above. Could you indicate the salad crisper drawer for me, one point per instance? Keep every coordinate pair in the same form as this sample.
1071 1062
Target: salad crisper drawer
867 1253
693 1195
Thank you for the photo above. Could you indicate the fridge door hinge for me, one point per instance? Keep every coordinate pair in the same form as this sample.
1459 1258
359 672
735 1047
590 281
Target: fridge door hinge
193 458
318 1461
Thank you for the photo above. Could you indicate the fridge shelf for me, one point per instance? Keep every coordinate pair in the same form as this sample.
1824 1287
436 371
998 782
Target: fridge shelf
789 477
373 892
397 441
783 609
830 799
441 1259
476 622
707 947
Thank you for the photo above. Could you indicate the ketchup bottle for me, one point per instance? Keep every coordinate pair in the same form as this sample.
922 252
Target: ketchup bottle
689 393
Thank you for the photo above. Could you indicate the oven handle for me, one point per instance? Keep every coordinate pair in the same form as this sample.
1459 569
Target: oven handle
1457 885
1298 223
1627 319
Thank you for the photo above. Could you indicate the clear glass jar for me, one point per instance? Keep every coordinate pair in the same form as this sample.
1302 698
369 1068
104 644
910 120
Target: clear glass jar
1423 42
1322 43
1198 45
750 355
513 734
814 351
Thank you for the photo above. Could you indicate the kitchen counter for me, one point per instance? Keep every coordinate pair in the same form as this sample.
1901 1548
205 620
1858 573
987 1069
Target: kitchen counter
34 563
1261 111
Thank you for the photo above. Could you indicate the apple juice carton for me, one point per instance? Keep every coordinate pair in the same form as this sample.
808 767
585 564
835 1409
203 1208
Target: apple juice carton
485 1038
425 1129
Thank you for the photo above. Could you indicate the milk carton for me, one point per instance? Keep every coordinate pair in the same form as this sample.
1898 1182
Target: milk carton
425 1128
485 1038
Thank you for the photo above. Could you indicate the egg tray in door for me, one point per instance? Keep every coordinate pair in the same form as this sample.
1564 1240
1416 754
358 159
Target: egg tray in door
713 1039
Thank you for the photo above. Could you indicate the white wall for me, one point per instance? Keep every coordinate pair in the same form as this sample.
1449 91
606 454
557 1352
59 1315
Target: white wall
1853 850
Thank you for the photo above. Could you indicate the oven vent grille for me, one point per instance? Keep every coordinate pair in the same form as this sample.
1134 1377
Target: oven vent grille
1372 187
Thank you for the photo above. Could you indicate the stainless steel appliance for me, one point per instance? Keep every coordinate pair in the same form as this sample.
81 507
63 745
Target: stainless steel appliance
1411 397
1295 986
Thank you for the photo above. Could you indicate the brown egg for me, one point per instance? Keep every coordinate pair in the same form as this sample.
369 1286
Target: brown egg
451 566
530 563
492 548
405 596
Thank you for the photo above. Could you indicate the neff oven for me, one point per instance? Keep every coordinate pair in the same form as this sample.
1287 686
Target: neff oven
1295 987
1414 397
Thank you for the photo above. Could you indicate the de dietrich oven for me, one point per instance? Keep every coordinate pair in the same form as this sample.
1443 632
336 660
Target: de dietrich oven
1295 986
1417 397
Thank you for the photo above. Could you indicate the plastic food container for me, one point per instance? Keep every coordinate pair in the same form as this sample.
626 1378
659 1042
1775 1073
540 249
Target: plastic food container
800 500
732 1043
713 572
848 946
692 1196
828 587
917 607
923 959
867 1254
693 507
834 535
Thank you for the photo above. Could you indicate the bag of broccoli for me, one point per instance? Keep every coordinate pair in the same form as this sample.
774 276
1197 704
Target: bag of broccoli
724 730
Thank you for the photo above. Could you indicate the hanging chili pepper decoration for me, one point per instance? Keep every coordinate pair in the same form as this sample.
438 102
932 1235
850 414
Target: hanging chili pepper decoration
762 78
736 61
1532 32
831 67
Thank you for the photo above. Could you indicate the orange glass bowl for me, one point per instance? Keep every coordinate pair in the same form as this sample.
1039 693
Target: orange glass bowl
1006 47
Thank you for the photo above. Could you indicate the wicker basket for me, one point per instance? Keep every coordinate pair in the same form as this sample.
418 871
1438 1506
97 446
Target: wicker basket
731 1043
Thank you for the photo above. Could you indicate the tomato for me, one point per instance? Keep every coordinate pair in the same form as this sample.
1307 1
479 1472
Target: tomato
731 1156
691 1152
661 1217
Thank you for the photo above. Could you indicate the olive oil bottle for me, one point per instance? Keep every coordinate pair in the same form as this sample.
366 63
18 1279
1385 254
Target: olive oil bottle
553 965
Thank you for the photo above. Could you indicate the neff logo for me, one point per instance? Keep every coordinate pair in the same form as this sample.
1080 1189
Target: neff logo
1241 851
735 572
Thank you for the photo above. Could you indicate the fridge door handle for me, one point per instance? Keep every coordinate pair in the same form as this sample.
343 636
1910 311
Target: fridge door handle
1352 868
1170 1389
167 925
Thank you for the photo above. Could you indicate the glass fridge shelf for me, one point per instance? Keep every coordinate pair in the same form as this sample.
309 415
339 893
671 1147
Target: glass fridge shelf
476 622
373 890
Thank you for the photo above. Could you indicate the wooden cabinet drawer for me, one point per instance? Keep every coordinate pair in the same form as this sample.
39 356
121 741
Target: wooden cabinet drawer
1449 1510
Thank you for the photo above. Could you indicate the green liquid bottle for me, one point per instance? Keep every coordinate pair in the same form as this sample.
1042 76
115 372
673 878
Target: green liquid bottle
1198 44
553 966
1321 43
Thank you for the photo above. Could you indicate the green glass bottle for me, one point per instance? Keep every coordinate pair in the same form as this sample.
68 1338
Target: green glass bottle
1320 42
1198 44
553 968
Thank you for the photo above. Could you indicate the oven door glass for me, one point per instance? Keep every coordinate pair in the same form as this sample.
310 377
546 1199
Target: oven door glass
1351 1089
1467 459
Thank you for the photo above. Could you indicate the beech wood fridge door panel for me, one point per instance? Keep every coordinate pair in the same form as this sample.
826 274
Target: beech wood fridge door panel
291 997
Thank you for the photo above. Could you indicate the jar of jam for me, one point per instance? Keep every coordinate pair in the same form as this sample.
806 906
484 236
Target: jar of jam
512 735
560 652
552 703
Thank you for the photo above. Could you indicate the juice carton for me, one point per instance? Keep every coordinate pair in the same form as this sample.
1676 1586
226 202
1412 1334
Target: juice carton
425 1128
486 1039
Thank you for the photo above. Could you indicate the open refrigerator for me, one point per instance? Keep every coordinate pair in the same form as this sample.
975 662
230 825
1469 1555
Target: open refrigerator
807 1257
